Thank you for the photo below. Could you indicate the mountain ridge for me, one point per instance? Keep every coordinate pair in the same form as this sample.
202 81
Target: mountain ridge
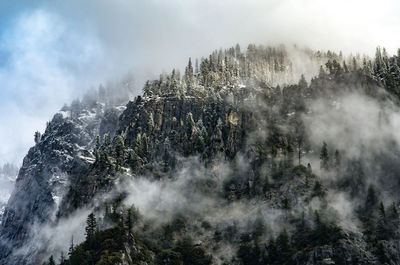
229 112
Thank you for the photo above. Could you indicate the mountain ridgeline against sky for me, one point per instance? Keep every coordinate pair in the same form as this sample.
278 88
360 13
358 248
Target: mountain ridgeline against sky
272 155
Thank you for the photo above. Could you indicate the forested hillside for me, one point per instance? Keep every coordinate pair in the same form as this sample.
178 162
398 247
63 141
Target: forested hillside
272 155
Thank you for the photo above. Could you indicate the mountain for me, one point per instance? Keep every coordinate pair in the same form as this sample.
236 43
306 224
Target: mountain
275 155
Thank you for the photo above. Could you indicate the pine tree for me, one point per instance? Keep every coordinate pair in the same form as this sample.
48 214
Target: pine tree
196 66
147 89
38 137
204 70
129 222
71 247
379 65
107 143
301 233
302 83
217 141
144 147
367 68
283 246
134 160
322 73
91 226
120 151
337 161
372 199
51 261
299 137
62 257
189 72
173 83
237 50
324 157
393 220
382 228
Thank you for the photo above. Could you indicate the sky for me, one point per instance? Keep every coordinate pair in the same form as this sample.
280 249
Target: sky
51 51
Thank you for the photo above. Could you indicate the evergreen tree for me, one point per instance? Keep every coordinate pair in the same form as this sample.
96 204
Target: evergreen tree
237 51
189 72
324 157
129 221
135 162
91 226
204 70
302 83
393 220
302 233
38 137
299 137
283 246
337 161
372 199
196 66
147 89
71 247
217 141
62 258
309 169
107 143
51 261
382 229
120 151
322 73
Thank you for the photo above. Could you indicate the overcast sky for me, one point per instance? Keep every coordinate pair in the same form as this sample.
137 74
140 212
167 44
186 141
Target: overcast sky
52 50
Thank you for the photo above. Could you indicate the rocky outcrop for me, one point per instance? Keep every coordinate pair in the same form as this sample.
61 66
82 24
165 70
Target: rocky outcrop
350 250
43 181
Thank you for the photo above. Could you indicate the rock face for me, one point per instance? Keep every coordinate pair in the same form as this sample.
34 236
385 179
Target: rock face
170 118
350 250
43 181
56 162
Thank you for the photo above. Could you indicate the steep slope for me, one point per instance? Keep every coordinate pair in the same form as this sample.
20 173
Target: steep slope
222 166
44 179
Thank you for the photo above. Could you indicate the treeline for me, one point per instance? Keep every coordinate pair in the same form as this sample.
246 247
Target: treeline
228 68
